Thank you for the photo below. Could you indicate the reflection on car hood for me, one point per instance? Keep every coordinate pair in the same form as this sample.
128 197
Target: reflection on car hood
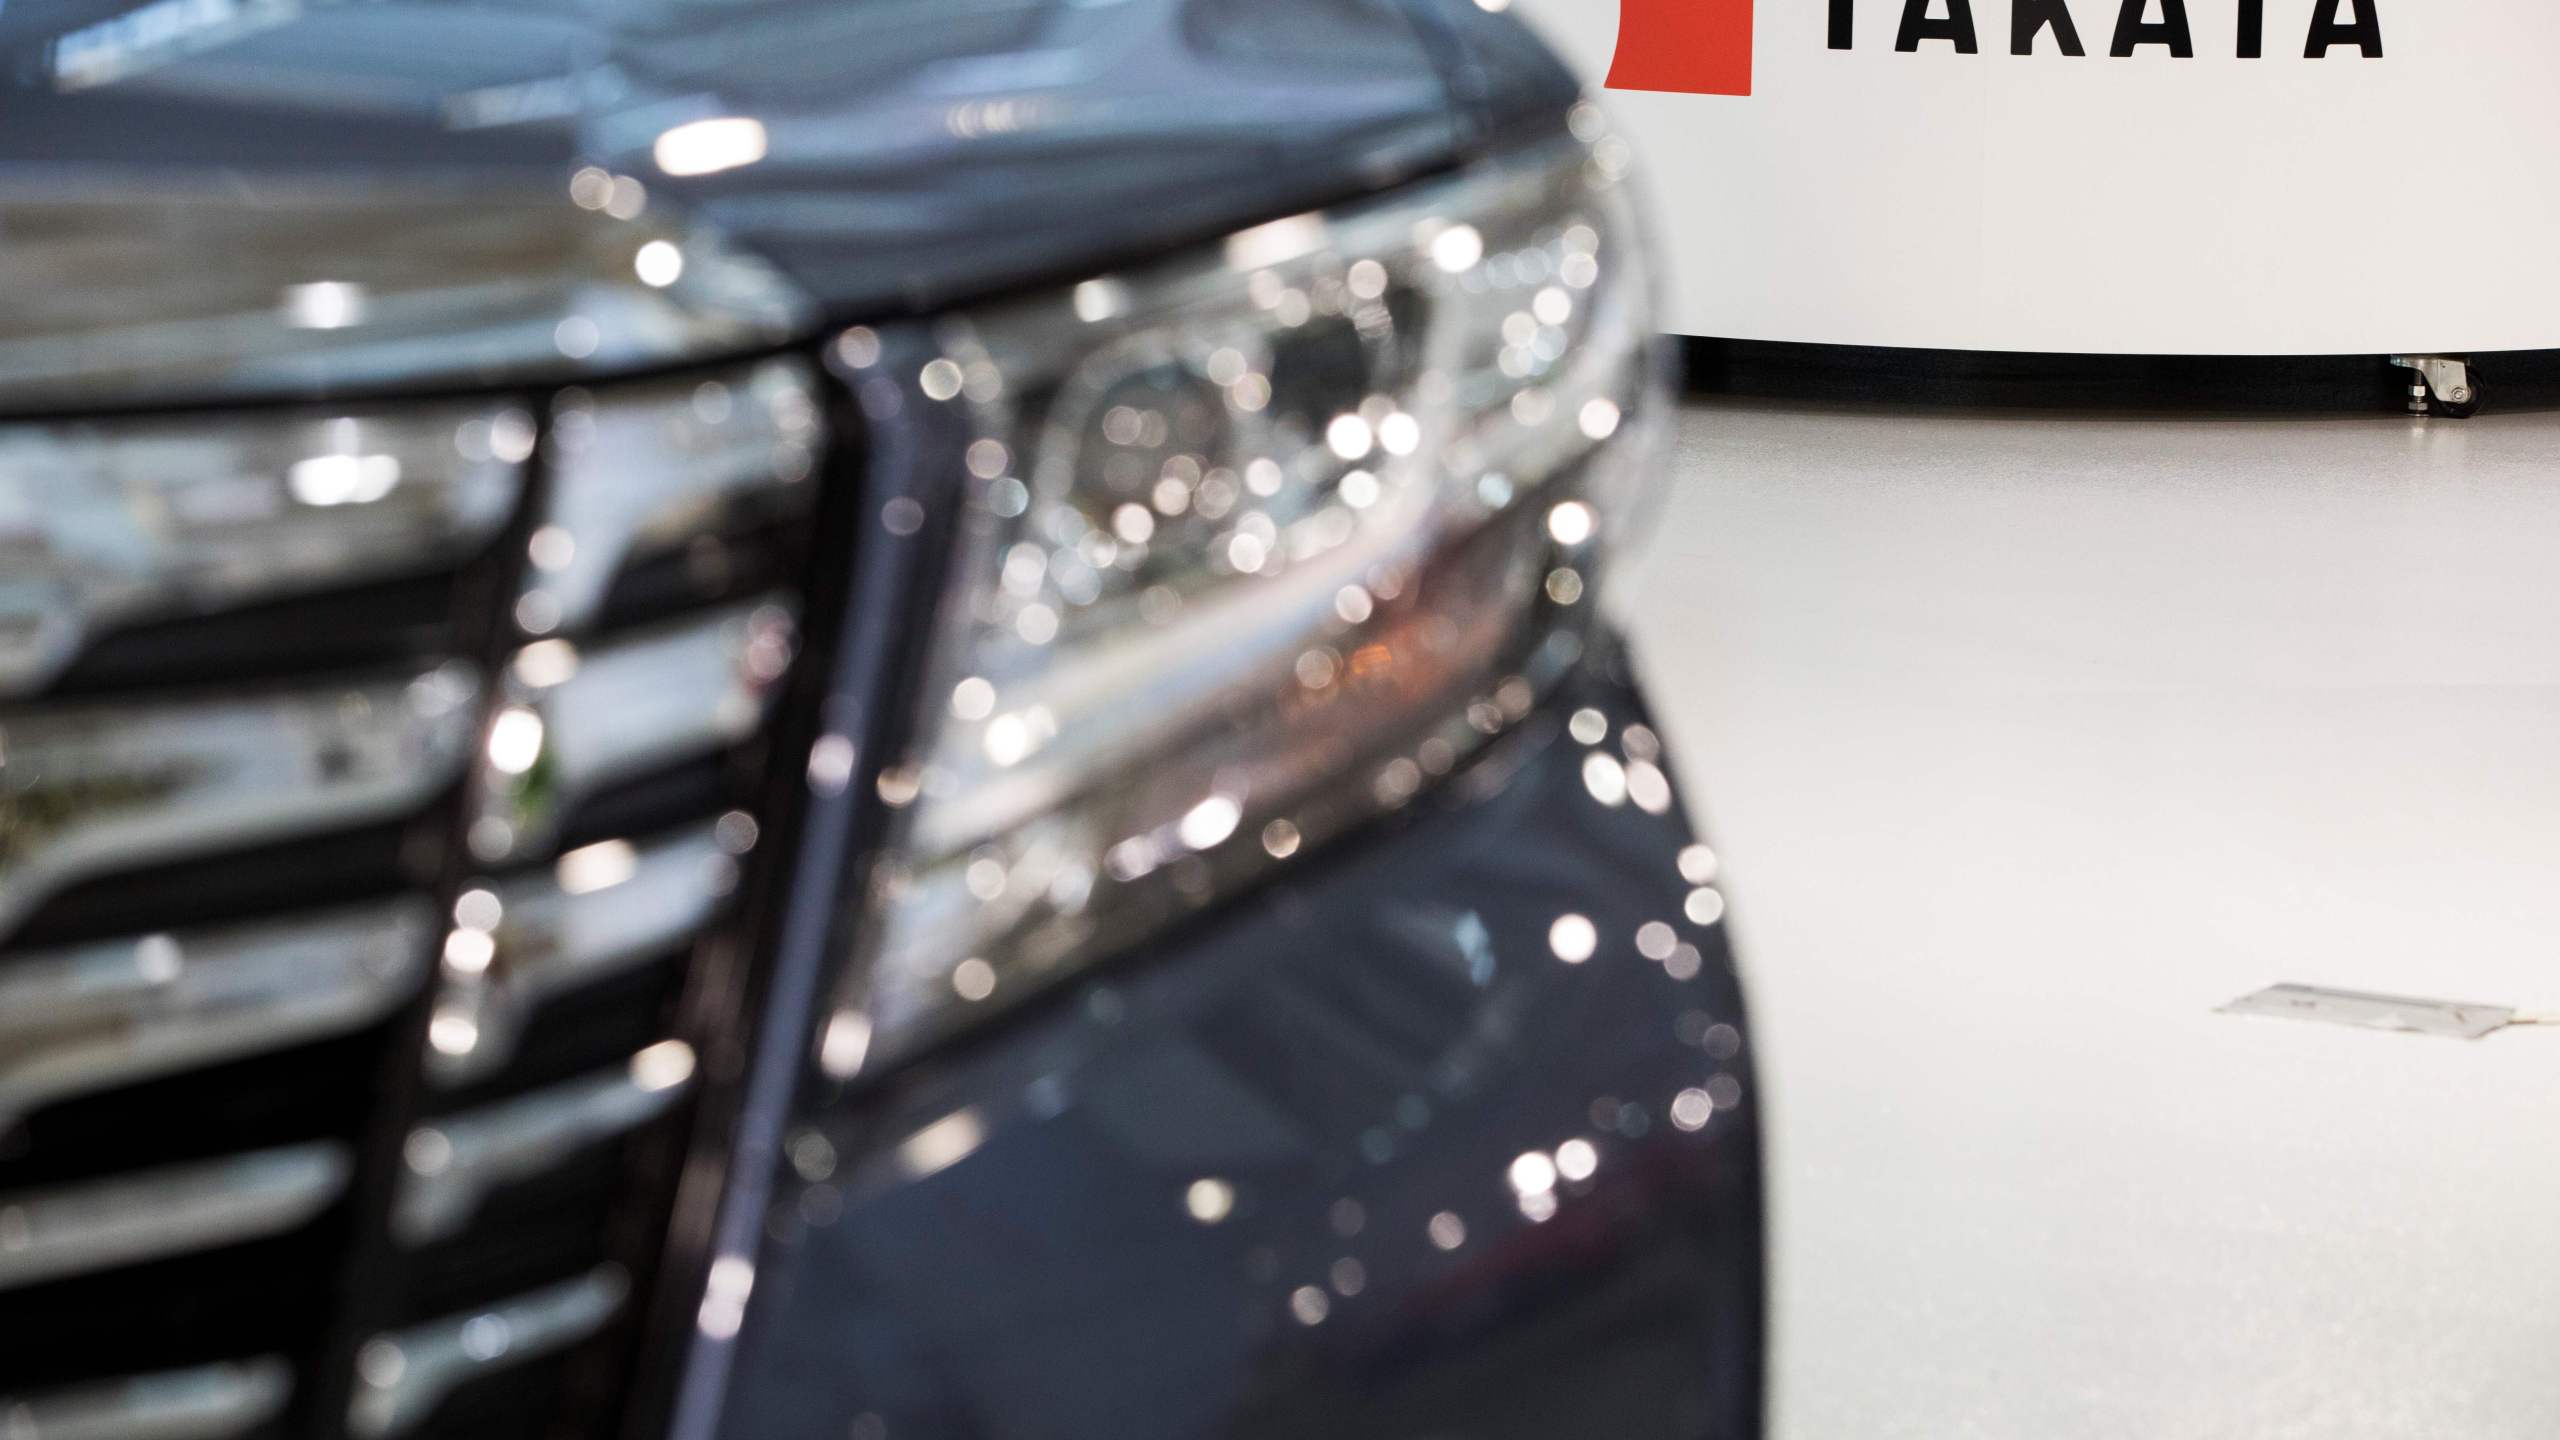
214 197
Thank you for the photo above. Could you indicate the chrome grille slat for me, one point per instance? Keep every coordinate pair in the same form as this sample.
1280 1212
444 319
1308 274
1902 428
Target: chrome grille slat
676 692
404 1376
647 701
97 1016
208 1402
94 789
101 526
456 1162
618 497
100 1224
551 939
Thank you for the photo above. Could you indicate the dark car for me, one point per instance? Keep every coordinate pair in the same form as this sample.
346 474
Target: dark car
880 719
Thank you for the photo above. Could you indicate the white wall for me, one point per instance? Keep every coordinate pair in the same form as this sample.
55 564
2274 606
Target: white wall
2143 205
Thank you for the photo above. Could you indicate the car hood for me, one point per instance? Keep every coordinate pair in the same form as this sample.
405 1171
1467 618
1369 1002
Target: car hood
207 199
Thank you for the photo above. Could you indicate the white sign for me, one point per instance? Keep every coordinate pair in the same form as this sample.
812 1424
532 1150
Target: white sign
2097 176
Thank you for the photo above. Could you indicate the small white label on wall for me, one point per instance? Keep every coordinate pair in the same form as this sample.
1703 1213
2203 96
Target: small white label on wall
2377 1012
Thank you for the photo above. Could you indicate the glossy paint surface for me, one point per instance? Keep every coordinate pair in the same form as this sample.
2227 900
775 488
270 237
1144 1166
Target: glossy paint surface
1417 1140
288 198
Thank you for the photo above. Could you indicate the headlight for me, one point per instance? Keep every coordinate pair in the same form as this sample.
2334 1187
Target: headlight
1256 545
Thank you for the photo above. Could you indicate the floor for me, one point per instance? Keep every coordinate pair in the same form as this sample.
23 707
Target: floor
2028 742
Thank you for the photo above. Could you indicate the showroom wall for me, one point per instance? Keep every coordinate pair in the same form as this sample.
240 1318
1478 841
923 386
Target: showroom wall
2112 176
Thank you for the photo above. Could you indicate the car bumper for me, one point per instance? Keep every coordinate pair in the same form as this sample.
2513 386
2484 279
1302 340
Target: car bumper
1368 1152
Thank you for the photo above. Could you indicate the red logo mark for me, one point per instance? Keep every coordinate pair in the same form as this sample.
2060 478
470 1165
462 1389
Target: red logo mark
1691 47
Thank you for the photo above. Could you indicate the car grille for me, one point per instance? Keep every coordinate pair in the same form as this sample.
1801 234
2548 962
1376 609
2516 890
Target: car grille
372 855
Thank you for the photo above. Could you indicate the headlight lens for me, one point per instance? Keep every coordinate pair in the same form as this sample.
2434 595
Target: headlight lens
1255 545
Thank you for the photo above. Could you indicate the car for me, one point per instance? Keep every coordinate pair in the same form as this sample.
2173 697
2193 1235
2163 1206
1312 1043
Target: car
888 719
